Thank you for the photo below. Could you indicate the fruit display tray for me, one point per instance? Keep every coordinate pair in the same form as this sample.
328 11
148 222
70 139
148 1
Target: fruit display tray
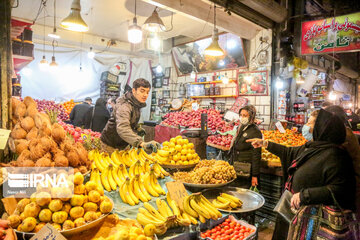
217 146
206 186
171 166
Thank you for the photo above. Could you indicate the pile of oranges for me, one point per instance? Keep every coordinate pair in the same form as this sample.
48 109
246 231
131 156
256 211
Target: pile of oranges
69 105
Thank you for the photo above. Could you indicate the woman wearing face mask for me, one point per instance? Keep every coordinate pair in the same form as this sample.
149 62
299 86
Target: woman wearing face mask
244 157
308 128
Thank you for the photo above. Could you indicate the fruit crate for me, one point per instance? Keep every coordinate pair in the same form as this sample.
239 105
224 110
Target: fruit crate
217 146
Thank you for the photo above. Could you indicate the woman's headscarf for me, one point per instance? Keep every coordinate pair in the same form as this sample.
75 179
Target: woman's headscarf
329 132
252 112
340 112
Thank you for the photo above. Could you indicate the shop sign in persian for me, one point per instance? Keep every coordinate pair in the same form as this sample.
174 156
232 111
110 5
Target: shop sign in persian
337 34
253 83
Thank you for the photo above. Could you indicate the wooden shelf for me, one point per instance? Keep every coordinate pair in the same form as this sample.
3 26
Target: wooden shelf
215 96
213 82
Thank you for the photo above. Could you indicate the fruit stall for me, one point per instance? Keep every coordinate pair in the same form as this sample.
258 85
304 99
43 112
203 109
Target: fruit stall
129 194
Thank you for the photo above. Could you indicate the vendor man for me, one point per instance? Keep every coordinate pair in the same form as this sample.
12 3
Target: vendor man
122 129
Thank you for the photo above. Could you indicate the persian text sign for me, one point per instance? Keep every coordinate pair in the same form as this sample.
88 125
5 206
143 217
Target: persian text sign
339 34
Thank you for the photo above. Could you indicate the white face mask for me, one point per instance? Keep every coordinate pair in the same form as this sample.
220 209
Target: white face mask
244 120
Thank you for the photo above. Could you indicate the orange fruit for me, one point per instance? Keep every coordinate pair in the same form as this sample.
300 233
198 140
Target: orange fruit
178 148
184 152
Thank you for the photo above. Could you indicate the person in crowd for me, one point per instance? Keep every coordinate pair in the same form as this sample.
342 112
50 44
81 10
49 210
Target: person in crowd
78 112
358 112
123 129
352 147
244 157
308 128
97 117
317 169
111 104
353 119
326 104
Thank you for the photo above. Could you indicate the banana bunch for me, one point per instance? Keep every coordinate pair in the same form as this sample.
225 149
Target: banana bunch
162 156
95 177
151 184
129 157
227 202
166 216
111 176
159 170
197 206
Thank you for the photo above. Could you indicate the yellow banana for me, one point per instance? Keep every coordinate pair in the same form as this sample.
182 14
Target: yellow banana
98 163
132 170
93 176
192 219
221 205
148 186
149 215
125 159
122 168
174 207
136 188
163 153
115 158
115 175
202 219
93 165
146 166
188 209
163 208
160 159
130 190
226 200
202 212
162 170
143 220
147 156
210 206
153 211
120 174
183 222
142 188
155 184
212 214
112 182
105 180
232 198
97 177
122 192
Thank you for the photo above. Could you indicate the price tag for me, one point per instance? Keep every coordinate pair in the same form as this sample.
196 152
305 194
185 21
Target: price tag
177 192
48 232
4 136
195 106
280 127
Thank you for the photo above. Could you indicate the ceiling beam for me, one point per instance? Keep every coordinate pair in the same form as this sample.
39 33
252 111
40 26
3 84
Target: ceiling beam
240 9
198 10
268 8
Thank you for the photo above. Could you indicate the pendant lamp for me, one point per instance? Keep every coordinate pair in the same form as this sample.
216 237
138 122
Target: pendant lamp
53 63
53 34
134 31
154 22
43 64
74 21
214 48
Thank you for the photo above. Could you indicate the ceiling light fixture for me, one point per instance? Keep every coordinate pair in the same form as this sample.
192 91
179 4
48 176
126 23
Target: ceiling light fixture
53 34
74 21
135 32
43 64
154 22
53 63
214 48
91 54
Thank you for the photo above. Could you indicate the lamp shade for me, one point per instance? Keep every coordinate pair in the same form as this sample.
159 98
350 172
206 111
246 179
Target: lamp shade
214 48
154 23
53 63
74 21
134 33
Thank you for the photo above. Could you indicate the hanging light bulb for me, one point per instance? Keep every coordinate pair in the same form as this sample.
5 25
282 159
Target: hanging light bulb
43 64
53 63
192 74
159 69
135 32
214 48
225 79
154 23
91 54
74 21
53 34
